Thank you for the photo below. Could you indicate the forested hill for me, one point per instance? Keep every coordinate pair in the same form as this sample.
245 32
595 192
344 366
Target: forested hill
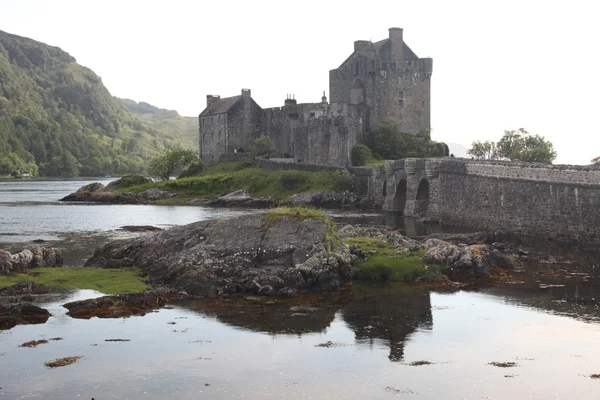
176 127
58 119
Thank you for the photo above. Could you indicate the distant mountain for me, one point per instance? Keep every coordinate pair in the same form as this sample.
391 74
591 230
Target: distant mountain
179 129
58 119
458 150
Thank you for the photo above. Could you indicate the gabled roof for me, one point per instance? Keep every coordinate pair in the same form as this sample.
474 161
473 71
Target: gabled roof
220 106
379 47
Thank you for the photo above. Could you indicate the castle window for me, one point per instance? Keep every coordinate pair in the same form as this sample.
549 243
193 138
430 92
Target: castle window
401 98
312 115
356 68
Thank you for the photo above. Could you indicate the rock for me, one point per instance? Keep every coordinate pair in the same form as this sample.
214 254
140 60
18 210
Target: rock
29 258
240 198
140 228
152 195
466 263
21 314
237 255
323 199
26 287
97 193
124 305
5 262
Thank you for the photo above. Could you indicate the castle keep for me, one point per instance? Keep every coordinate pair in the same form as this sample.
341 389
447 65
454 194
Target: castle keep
379 81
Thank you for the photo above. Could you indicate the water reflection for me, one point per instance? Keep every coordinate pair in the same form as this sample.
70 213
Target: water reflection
312 312
389 313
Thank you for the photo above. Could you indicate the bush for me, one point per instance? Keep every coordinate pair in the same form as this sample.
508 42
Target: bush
261 146
343 181
194 169
247 163
360 155
292 179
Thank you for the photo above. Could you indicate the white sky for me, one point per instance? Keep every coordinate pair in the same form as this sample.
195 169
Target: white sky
497 64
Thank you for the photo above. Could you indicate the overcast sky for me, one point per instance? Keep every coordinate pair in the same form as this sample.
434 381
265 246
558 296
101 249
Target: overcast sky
497 65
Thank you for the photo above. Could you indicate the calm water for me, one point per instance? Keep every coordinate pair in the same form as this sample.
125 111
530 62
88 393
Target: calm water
547 321
30 210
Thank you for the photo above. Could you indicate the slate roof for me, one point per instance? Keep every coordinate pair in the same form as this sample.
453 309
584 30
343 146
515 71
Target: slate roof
220 106
378 46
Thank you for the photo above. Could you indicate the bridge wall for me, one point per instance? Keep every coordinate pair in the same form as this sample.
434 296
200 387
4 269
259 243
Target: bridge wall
558 202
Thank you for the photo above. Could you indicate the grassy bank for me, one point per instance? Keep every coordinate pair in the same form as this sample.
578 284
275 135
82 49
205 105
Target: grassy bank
385 264
231 176
108 281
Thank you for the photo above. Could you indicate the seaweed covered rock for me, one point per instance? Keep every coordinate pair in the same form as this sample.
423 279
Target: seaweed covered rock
124 305
25 287
20 314
467 262
261 253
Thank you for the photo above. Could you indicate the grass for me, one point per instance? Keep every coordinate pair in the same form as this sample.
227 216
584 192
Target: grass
108 281
386 264
227 177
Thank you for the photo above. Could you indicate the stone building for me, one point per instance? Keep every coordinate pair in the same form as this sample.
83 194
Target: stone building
378 82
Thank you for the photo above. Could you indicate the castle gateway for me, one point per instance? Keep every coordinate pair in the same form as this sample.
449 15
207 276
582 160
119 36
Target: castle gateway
381 81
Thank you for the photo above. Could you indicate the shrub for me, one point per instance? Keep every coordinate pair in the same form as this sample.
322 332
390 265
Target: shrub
194 169
343 181
292 179
360 155
261 146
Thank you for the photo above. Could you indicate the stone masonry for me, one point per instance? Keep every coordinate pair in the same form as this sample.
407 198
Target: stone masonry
382 81
552 202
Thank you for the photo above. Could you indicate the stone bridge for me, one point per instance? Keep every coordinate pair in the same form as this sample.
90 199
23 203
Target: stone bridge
555 202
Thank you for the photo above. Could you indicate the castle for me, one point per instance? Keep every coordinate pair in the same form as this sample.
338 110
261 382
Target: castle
381 81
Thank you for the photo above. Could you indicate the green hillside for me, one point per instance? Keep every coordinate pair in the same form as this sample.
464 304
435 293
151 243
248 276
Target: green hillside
58 119
180 130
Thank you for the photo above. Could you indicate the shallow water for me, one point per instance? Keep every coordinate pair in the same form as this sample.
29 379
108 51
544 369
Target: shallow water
30 210
546 320
377 333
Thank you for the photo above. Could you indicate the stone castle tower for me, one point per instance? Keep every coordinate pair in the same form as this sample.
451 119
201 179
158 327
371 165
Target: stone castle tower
381 81
390 79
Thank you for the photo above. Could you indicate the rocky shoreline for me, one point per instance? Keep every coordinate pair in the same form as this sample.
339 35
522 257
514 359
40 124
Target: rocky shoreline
279 253
327 199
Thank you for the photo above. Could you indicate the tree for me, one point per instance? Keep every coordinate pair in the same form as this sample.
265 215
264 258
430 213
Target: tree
388 142
360 155
261 146
166 163
520 145
483 150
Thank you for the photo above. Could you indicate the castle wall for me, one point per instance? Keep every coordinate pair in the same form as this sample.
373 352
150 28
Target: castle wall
213 137
316 133
243 125
394 89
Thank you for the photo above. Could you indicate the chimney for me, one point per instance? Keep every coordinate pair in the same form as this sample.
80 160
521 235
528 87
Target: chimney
360 44
324 98
211 99
246 93
397 43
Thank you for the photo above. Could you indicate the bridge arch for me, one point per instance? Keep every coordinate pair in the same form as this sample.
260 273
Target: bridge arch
400 196
422 199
